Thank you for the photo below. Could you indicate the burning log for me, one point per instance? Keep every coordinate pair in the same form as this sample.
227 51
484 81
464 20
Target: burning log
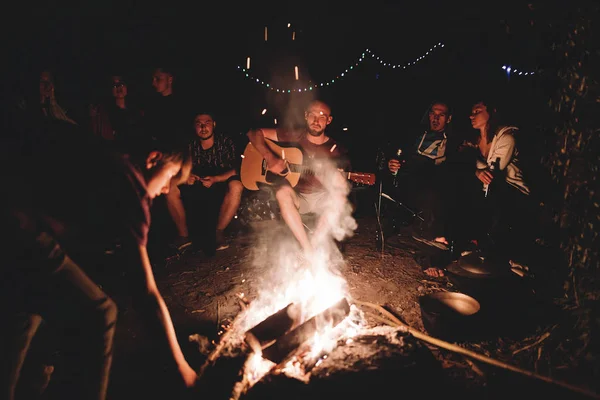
285 346
272 328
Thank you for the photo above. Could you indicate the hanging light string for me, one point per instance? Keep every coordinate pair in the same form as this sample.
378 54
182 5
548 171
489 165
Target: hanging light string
404 66
363 57
310 85
513 71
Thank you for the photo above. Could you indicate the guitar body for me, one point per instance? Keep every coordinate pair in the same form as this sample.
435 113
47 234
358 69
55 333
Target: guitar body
254 174
253 170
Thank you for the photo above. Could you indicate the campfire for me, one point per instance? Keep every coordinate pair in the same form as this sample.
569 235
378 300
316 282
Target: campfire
303 310
291 329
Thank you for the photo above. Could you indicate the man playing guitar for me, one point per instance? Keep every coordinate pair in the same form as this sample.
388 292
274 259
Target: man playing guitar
310 192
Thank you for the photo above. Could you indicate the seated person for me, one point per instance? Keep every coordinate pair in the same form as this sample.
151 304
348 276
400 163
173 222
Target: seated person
498 215
117 118
68 198
311 194
414 168
214 184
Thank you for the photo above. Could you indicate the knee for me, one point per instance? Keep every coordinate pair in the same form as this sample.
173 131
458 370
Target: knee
235 188
105 315
284 194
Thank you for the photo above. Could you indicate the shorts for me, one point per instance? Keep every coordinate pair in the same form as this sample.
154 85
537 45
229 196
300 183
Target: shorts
309 202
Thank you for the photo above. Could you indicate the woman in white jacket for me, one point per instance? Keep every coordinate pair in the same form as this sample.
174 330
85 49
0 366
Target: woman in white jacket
507 207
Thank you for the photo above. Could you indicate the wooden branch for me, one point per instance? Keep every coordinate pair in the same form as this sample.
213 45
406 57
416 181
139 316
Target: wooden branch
540 340
476 356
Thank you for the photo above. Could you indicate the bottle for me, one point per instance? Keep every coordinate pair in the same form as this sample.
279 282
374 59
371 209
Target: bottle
394 174
494 167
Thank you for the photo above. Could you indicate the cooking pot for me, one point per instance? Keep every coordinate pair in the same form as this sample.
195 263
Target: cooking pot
450 315
478 276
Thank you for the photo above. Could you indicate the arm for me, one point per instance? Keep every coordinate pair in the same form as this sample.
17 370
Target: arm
257 138
208 181
504 149
155 313
224 176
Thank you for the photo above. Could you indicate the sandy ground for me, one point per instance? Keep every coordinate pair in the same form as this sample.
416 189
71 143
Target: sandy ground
527 326
204 292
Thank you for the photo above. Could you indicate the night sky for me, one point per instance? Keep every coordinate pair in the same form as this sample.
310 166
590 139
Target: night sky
84 42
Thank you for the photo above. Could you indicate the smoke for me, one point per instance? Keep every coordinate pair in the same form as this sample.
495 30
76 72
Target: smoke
282 273
284 276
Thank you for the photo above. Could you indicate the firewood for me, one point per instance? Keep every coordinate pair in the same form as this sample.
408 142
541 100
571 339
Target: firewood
272 328
287 344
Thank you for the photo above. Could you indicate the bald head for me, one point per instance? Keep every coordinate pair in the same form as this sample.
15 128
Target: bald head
317 116
318 104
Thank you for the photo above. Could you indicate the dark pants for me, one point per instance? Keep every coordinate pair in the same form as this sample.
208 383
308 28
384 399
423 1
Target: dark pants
420 186
39 282
505 221
202 206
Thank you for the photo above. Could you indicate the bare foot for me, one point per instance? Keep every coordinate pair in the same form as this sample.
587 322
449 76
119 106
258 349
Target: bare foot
434 272
442 240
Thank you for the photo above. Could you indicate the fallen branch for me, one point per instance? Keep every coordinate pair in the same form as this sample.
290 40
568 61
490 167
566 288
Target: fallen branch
468 353
474 367
540 340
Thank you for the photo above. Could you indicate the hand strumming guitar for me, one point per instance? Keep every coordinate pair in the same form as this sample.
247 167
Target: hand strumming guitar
277 165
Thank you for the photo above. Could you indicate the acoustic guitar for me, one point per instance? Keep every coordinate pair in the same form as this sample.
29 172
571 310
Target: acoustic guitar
253 171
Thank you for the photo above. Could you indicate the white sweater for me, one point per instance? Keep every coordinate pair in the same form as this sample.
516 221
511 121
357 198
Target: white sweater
503 146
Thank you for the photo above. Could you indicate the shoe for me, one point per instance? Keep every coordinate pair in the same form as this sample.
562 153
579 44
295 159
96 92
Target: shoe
221 243
181 244
432 243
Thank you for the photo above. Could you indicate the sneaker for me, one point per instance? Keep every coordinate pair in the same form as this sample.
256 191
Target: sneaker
221 243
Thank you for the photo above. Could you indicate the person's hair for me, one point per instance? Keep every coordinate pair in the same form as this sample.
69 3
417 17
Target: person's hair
166 70
171 150
443 102
111 76
205 112
496 120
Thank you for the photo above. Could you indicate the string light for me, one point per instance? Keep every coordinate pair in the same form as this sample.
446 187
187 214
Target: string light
310 86
403 66
510 70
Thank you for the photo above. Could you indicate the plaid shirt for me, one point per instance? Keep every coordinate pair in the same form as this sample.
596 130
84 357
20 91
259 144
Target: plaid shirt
220 158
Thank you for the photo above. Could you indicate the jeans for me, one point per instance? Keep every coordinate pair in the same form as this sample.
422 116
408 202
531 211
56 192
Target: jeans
39 282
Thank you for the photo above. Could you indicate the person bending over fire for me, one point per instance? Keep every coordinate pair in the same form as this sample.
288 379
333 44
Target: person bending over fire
66 200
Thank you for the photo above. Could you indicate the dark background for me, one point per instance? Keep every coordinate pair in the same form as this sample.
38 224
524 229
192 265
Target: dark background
205 42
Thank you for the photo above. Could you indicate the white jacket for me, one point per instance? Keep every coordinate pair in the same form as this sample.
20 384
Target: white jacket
503 146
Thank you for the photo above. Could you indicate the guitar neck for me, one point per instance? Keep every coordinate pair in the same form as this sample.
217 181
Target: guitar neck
301 169
305 169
